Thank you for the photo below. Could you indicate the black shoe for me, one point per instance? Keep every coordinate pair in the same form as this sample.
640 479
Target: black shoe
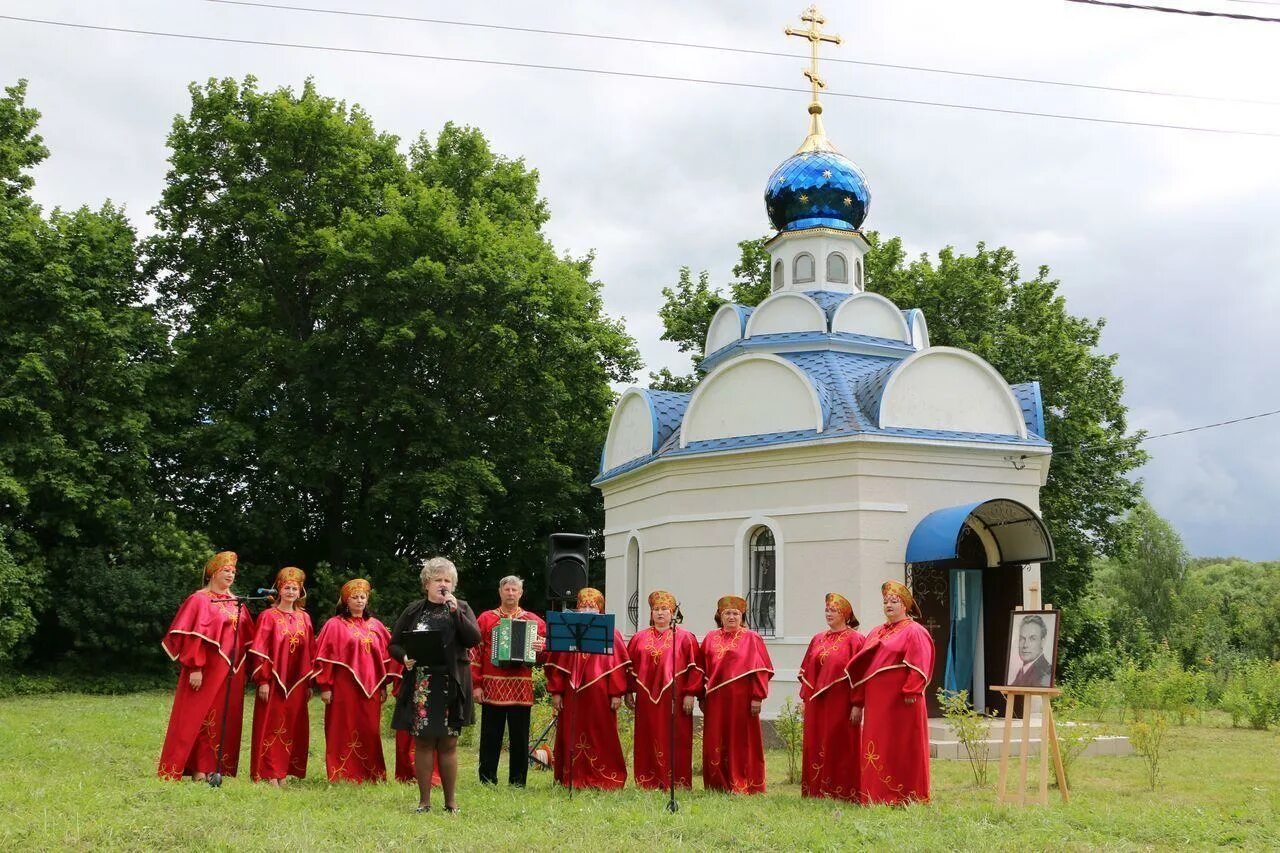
453 810
422 809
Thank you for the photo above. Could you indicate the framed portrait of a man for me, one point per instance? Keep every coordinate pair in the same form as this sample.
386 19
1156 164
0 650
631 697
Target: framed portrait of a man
1033 648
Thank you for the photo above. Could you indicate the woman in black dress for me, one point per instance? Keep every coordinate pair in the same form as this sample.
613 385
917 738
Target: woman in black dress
435 701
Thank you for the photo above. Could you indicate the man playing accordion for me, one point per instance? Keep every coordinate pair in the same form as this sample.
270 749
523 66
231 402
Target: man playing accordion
504 689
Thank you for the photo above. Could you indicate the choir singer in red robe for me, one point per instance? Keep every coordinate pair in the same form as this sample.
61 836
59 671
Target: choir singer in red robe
889 677
353 670
209 639
586 690
666 666
831 740
738 673
284 653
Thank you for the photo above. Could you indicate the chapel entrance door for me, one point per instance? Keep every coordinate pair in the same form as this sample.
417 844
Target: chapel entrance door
931 589
1001 593
965 605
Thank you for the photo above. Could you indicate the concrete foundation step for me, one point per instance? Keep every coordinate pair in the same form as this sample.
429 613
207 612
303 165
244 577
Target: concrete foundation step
944 744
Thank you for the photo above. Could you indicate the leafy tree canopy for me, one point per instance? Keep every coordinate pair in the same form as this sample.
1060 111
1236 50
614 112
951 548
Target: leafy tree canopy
380 357
982 303
80 526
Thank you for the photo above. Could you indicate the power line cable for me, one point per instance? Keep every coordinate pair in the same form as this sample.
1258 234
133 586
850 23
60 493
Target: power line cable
1174 10
642 76
741 50
1076 450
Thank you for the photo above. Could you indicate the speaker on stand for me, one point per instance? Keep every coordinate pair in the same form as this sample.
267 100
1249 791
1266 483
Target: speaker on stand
567 555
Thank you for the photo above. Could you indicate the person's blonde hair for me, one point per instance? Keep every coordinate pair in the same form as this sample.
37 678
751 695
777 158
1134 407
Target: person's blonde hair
435 567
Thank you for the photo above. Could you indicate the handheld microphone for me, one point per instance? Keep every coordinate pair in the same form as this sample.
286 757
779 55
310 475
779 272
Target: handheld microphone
266 591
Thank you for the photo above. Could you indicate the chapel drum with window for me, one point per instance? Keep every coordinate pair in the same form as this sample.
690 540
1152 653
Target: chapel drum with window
513 642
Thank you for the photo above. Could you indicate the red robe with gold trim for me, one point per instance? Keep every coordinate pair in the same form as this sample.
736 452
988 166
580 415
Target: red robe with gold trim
587 683
284 651
654 665
832 753
511 685
738 672
895 663
352 661
201 638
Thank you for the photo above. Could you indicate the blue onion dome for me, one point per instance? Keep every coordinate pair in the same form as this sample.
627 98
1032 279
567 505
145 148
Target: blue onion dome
817 187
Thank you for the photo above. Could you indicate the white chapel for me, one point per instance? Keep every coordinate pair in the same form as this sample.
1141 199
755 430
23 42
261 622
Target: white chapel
828 447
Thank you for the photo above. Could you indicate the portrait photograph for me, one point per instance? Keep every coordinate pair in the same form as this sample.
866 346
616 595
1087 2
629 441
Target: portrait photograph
1033 648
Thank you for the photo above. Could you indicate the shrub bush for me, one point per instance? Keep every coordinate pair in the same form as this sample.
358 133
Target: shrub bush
1147 737
1252 694
971 730
790 729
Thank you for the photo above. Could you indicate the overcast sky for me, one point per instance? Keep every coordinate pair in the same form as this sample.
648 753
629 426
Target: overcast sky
1169 235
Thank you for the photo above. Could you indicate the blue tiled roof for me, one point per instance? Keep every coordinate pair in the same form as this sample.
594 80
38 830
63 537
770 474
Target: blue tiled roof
1028 394
781 341
828 301
668 408
850 387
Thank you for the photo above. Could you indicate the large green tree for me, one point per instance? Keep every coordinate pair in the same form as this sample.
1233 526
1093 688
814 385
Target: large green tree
90 560
380 356
1149 573
982 303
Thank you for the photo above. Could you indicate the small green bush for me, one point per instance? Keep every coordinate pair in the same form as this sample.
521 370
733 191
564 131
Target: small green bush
971 730
1147 737
790 728
1252 694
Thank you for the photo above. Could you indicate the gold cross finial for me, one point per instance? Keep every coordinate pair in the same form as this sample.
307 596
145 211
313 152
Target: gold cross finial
816 140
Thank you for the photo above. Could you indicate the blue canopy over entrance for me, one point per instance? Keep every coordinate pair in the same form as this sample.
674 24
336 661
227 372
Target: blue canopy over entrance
1019 534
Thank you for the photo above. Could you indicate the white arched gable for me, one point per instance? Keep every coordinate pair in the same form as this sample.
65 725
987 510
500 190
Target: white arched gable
871 314
787 311
631 431
726 327
752 395
919 329
944 388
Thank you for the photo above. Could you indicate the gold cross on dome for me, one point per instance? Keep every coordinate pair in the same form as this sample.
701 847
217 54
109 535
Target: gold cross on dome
816 36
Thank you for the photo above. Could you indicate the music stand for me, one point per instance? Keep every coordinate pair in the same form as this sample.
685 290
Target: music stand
570 631
588 633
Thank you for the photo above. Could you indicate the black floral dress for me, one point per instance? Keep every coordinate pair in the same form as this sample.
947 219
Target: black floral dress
436 702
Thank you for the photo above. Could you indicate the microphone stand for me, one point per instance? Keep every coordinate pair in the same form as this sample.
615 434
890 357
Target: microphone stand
676 618
673 806
215 778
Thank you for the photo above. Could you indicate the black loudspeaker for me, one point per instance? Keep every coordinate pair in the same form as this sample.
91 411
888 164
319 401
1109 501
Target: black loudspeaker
566 566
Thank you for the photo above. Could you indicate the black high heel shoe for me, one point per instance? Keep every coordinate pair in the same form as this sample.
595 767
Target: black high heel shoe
422 809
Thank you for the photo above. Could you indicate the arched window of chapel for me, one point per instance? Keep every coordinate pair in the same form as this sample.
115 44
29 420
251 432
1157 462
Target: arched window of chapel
837 268
762 582
804 268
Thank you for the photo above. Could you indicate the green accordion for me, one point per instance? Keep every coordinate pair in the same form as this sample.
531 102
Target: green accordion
513 642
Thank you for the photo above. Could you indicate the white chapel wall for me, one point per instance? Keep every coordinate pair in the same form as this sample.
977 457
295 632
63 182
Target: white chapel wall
845 513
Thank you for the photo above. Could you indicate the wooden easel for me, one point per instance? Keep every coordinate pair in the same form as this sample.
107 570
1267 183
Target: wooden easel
1048 735
1048 744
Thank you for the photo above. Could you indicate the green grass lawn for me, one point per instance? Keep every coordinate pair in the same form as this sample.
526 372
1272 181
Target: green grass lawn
79 772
